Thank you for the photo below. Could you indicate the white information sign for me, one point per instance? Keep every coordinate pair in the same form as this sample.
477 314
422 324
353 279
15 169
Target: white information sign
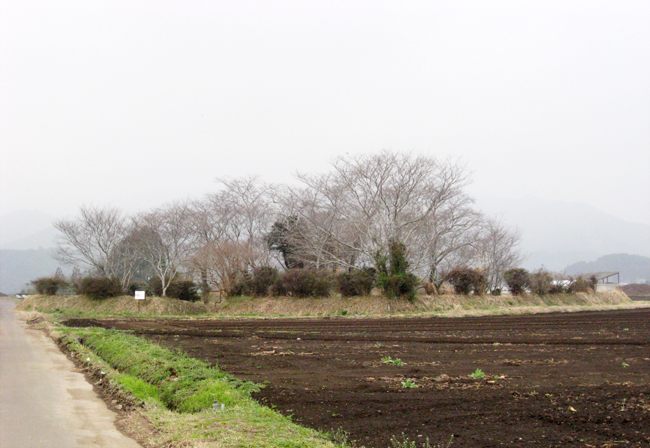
139 295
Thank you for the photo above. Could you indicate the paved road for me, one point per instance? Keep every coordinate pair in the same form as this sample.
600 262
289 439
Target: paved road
44 402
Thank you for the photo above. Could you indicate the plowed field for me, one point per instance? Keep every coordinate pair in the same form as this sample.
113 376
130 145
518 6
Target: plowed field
551 380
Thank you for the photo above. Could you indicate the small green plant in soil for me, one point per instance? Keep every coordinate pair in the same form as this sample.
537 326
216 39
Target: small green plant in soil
409 383
477 375
394 362
405 442
339 436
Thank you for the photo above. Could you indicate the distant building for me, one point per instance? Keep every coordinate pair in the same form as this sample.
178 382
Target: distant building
606 281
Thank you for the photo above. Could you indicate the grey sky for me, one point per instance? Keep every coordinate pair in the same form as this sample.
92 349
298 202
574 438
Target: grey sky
134 104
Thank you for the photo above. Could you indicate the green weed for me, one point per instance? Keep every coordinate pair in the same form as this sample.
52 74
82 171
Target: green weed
405 442
394 362
477 375
409 383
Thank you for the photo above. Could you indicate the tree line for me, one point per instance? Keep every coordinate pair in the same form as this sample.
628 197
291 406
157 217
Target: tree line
393 218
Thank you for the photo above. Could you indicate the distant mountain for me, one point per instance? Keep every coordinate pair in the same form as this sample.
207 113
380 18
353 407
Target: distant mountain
26 242
556 233
632 268
19 267
26 230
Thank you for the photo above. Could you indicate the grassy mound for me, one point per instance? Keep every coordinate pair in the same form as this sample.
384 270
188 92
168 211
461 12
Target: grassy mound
123 305
433 305
447 305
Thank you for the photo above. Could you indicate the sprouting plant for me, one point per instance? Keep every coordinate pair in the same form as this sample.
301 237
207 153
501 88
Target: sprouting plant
497 343
477 375
405 442
339 436
409 383
389 360
625 365
377 344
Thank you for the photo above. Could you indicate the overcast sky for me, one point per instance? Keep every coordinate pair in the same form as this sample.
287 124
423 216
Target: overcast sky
133 104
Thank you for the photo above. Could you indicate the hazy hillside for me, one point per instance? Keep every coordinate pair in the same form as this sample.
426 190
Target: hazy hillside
556 233
633 268
18 267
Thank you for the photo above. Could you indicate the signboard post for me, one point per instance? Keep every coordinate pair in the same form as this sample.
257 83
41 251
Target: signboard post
140 297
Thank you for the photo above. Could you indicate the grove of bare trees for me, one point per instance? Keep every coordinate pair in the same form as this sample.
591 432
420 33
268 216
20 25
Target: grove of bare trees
344 219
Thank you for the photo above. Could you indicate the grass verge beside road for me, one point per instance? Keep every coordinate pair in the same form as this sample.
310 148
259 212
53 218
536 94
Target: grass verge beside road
175 395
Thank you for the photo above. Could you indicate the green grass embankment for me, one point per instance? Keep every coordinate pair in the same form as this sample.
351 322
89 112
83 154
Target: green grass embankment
178 393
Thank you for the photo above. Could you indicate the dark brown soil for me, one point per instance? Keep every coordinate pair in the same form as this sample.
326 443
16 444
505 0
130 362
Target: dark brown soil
551 380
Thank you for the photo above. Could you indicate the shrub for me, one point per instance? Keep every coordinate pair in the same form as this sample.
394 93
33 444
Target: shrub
358 282
302 283
49 285
466 280
517 280
558 287
429 287
185 290
262 281
259 283
581 284
392 272
540 282
98 287
178 288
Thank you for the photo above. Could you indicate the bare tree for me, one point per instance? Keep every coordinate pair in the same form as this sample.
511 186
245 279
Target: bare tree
226 263
94 242
447 238
250 211
325 245
233 221
368 201
497 251
165 240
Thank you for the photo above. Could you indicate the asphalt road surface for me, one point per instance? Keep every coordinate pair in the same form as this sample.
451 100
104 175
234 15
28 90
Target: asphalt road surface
44 401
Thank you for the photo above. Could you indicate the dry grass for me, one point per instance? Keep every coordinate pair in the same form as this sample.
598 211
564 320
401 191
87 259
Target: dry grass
125 305
443 305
